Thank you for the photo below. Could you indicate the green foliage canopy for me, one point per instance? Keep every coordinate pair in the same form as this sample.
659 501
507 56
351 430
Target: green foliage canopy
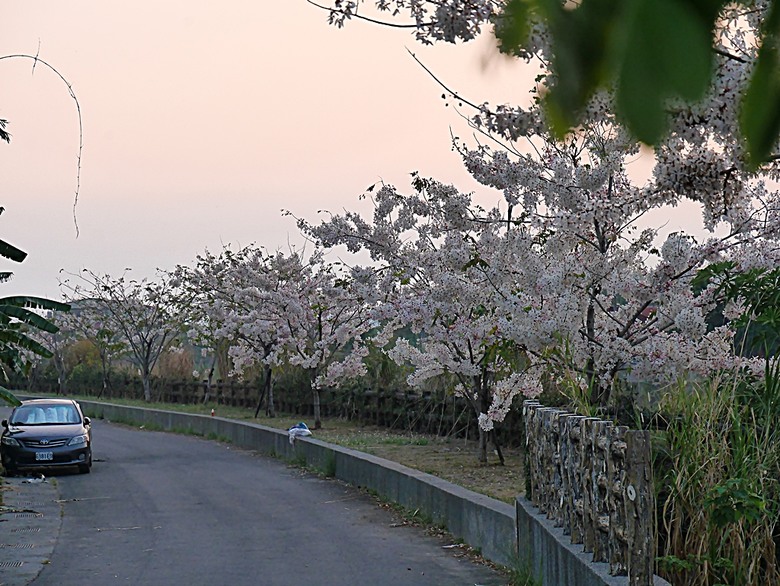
650 51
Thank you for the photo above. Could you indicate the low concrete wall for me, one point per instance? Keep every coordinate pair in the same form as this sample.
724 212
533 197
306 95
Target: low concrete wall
481 522
550 557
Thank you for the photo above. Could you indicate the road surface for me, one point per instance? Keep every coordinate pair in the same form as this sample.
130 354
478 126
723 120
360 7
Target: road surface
166 509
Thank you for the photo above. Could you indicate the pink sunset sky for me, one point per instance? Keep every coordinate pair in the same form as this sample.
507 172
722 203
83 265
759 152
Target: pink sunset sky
203 120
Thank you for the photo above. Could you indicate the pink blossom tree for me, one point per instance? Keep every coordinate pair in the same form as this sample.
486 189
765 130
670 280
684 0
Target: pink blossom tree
432 252
87 320
233 295
57 343
145 314
575 280
324 318
276 308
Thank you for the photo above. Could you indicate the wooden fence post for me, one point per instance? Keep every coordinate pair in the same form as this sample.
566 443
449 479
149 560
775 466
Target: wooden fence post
588 520
574 473
560 481
599 504
533 452
564 427
593 479
544 460
529 408
616 474
548 447
534 461
639 508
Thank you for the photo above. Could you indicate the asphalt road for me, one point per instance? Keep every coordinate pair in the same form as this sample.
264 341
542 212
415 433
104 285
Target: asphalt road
165 509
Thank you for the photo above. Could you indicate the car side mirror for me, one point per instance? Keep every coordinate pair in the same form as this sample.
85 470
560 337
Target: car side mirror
87 421
4 423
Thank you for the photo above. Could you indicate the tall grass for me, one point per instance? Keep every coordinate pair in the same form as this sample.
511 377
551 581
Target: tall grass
718 477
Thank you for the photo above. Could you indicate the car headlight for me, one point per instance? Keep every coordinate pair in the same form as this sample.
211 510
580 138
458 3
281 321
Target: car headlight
79 439
9 441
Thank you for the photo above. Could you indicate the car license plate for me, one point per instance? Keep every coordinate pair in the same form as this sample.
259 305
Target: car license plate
44 456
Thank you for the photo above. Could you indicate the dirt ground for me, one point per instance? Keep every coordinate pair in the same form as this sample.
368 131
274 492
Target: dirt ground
454 460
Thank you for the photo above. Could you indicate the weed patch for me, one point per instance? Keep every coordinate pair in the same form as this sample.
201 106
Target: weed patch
330 466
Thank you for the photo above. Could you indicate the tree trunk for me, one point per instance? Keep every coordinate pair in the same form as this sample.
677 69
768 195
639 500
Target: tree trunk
316 403
482 452
147 384
267 392
599 394
104 372
59 365
260 398
497 445
209 378
480 386
315 393
270 409
104 382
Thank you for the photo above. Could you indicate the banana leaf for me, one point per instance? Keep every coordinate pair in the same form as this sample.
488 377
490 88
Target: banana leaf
30 302
4 134
11 360
9 397
10 251
12 337
26 316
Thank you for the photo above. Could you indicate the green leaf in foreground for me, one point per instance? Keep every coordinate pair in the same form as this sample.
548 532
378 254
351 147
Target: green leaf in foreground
760 115
666 47
513 26
580 40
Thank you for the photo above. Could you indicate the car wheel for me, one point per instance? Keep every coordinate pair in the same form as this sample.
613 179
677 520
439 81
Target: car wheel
85 468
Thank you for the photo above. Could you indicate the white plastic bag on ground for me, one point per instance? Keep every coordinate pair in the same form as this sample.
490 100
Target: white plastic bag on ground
296 431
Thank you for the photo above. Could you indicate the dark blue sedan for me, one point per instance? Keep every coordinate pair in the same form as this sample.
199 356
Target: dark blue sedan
46 433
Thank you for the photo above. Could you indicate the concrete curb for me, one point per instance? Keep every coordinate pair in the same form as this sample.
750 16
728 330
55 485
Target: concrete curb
30 522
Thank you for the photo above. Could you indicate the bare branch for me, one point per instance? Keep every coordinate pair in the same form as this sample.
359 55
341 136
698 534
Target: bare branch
361 17
36 59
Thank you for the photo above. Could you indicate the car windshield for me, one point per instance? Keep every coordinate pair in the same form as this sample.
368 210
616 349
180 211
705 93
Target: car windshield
45 415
